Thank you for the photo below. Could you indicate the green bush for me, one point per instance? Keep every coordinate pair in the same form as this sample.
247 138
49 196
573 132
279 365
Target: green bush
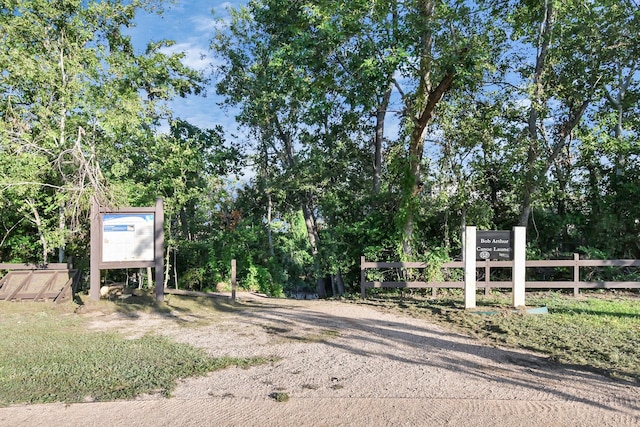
259 279
192 279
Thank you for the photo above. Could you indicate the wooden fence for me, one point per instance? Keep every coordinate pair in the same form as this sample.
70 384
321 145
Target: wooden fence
30 282
576 284
50 266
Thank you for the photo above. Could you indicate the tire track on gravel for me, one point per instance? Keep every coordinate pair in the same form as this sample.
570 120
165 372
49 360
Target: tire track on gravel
350 365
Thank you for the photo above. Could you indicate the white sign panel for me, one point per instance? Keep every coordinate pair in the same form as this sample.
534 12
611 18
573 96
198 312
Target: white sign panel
127 237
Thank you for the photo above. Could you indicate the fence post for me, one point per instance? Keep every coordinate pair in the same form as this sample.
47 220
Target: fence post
363 293
158 229
576 275
470 267
519 265
234 282
487 277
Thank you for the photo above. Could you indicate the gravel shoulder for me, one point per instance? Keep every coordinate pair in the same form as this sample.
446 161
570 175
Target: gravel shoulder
348 364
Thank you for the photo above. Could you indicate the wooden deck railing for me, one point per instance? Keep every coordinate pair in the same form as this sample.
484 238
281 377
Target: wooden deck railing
487 284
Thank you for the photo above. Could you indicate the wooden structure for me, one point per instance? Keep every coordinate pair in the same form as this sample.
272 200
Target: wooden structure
575 283
97 242
28 282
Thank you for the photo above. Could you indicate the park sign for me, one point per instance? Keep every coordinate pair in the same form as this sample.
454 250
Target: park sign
496 245
127 237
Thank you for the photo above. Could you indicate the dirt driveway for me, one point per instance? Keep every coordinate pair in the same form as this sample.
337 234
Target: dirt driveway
344 364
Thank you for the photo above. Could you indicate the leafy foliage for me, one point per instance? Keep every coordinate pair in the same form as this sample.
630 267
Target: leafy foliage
76 101
374 128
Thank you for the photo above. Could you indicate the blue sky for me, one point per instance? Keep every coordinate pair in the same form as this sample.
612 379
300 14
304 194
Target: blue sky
191 24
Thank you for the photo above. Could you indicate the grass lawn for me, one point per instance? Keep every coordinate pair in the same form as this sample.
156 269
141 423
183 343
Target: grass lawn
48 355
597 330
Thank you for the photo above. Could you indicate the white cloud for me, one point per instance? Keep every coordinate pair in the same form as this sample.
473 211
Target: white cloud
205 23
195 56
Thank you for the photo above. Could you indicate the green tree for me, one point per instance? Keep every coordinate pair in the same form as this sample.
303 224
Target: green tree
74 94
295 113
574 59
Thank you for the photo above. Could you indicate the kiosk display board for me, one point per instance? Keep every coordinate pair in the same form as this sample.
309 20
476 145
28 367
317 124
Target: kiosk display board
127 237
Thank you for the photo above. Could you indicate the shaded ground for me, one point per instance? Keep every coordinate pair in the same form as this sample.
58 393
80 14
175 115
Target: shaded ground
347 364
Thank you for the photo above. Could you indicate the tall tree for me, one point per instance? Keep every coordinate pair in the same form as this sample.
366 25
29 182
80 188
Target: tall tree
575 51
272 73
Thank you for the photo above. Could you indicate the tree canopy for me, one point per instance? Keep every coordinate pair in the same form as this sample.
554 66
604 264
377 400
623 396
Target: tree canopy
374 128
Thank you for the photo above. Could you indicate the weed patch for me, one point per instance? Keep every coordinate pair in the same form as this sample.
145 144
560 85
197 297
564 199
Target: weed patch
279 396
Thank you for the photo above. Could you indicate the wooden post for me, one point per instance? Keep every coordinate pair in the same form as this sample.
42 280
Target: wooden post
576 275
363 293
470 268
159 248
97 262
519 265
487 277
233 280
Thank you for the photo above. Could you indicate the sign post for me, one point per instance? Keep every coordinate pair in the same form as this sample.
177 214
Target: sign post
505 245
470 268
127 238
519 264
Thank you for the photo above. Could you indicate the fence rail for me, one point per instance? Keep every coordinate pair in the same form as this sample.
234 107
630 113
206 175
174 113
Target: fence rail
487 284
50 266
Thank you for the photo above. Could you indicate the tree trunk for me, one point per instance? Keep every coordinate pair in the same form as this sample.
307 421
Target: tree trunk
61 228
312 233
41 231
420 110
617 103
379 139
334 286
269 233
306 203
544 43
416 148
339 283
184 223
175 268
167 267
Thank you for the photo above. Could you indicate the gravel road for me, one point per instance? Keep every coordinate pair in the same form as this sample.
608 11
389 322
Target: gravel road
343 364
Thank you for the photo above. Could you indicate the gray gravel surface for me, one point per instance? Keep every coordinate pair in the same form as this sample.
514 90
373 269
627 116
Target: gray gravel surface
344 364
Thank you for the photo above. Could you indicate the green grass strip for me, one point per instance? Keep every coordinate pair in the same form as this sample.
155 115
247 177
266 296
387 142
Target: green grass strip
46 357
597 331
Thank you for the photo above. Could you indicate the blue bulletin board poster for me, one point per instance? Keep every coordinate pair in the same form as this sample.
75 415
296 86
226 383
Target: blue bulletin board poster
128 237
